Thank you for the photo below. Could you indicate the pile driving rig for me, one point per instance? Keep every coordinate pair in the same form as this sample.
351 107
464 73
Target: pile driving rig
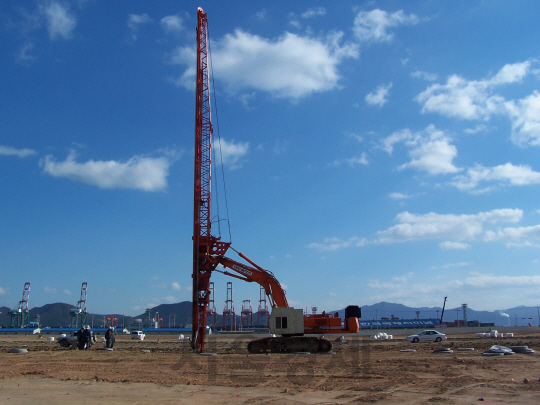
209 251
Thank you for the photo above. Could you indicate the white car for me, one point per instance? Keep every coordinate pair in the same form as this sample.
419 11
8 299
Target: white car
137 334
427 336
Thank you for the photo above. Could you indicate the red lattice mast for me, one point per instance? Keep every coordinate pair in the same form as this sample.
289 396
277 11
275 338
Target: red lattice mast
207 249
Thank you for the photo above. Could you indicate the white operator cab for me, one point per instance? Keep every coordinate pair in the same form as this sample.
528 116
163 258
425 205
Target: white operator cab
287 321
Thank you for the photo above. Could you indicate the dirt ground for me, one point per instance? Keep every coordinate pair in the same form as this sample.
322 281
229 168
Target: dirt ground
163 370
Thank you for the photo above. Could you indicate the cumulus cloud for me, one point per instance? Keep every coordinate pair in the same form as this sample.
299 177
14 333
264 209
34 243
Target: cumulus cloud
7 151
380 96
143 173
60 21
514 234
479 100
374 25
66 291
49 290
291 66
231 152
176 286
504 174
449 227
135 21
471 99
525 115
172 23
430 150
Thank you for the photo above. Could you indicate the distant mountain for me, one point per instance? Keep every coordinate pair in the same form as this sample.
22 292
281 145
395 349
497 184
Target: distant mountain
519 316
58 314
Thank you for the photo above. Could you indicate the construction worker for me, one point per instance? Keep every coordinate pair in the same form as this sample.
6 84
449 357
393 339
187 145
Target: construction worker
80 338
109 337
87 337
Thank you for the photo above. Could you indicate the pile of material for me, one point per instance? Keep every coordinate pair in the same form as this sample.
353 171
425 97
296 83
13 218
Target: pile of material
497 350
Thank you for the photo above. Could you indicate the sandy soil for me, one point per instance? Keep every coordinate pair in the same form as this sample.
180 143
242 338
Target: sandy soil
163 370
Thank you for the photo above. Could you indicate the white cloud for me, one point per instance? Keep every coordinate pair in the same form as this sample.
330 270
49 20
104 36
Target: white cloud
172 23
3 291
508 173
431 77
460 98
176 286
333 244
24 56
430 150
313 12
135 21
476 129
231 152
7 151
525 115
185 56
374 25
474 288
448 227
433 156
394 283
358 160
49 290
169 300
290 66
514 234
489 280
454 245
398 196
511 73
478 100
66 291
380 96
143 173
60 22
353 161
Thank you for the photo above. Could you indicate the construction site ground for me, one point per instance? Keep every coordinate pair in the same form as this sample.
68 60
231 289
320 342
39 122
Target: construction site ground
163 370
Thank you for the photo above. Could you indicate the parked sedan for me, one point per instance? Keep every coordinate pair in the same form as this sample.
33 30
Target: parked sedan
427 336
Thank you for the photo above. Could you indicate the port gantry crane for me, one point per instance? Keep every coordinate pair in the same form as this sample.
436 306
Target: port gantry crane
209 251
20 316
79 315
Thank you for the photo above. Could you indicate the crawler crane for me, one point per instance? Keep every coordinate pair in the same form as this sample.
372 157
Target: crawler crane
209 251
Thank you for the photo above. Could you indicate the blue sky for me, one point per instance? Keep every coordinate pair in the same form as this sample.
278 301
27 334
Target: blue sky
372 151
